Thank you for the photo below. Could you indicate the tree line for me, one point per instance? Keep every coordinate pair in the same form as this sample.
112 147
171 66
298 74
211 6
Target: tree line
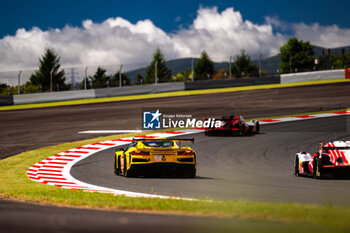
295 55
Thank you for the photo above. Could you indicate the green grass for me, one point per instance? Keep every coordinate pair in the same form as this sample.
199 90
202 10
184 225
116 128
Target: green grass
168 94
14 184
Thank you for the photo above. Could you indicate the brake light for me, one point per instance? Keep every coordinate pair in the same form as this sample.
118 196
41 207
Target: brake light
137 152
187 152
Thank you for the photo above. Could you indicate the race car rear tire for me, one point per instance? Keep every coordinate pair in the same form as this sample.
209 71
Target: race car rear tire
242 130
257 127
296 166
191 173
208 133
115 167
127 173
118 169
317 170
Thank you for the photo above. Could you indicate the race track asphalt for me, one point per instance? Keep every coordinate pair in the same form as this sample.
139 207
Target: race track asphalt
256 168
23 130
27 129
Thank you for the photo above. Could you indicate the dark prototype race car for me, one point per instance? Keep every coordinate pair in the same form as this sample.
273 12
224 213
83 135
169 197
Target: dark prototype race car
332 159
234 125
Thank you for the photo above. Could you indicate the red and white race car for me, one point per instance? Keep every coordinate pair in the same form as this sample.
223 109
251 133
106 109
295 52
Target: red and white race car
332 158
234 125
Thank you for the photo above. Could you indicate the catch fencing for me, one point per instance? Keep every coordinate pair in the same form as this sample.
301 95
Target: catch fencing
78 77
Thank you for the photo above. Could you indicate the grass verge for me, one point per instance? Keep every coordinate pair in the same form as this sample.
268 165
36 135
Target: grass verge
14 184
168 94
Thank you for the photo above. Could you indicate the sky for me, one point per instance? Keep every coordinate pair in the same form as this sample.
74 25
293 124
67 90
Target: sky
107 32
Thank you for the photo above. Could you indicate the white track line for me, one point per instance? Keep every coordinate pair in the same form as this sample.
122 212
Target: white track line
55 170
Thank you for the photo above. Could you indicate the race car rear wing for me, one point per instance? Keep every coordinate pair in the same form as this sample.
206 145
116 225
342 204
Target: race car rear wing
331 147
163 139
336 148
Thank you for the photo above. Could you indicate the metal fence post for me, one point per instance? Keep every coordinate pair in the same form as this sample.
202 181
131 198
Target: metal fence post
120 75
192 67
155 73
230 68
51 80
19 82
85 78
260 65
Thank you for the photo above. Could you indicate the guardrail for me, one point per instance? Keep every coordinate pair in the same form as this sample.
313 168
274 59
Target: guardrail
6 100
168 87
140 89
97 93
313 76
237 82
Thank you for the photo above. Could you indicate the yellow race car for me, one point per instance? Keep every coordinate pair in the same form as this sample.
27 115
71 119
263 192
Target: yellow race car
156 157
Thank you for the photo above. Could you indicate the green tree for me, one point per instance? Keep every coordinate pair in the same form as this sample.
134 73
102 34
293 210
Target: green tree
204 67
50 61
115 80
296 55
163 73
99 79
183 76
337 61
88 83
243 66
3 86
139 79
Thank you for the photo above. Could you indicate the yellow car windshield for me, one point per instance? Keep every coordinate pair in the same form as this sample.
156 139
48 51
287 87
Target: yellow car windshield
159 144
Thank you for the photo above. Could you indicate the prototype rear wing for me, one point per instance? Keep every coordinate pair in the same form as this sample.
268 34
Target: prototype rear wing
336 147
333 146
162 139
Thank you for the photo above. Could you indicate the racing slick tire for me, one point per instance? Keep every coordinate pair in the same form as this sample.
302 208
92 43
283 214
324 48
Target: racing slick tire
317 170
242 130
191 173
208 132
296 166
127 173
115 166
117 170
257 127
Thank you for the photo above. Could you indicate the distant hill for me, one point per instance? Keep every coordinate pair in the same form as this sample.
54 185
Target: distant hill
270 65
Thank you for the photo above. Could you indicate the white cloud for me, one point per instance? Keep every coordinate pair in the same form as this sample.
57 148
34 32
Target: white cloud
116 40
324 36
224 34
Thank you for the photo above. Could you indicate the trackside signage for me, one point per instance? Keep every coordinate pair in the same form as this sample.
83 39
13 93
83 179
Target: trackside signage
157 120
